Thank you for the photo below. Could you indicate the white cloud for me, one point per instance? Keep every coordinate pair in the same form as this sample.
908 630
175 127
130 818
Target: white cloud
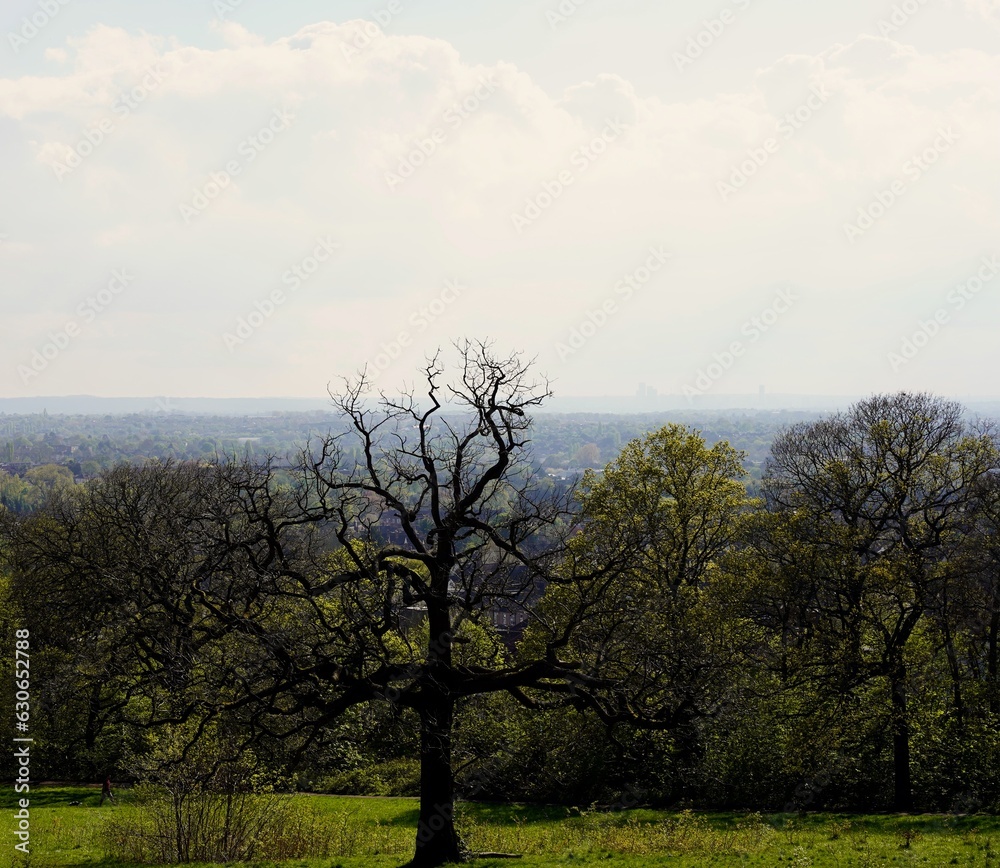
360 110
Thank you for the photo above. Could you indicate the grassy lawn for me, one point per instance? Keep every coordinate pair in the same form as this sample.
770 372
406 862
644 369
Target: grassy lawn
380 832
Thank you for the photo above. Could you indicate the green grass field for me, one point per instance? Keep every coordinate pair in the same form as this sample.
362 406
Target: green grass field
380 832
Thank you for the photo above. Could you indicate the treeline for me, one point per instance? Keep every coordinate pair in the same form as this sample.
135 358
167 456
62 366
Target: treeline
831 642
87 445
90 444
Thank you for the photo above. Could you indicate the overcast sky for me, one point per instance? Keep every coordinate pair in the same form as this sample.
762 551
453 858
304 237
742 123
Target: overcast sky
232 198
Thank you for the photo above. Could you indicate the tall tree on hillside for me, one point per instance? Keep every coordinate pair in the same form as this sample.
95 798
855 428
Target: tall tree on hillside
663 515
970 612
278 605
875 501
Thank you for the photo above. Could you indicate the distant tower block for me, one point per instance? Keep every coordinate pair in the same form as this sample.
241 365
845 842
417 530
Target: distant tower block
761 391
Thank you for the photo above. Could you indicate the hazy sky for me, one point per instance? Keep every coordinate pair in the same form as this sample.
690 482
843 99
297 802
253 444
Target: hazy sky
253 199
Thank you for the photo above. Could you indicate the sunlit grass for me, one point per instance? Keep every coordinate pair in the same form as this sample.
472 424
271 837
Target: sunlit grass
380 832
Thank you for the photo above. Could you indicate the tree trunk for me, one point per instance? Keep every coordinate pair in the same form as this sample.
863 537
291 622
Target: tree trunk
93 717
992 666
957 699
688 752
437 840
902 788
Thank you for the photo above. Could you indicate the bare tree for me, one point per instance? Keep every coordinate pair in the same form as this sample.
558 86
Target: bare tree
275 602
476 535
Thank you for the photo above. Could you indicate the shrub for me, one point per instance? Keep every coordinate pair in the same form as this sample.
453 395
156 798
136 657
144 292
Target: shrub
204 826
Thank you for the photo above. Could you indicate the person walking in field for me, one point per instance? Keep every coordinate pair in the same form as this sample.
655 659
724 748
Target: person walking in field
106 792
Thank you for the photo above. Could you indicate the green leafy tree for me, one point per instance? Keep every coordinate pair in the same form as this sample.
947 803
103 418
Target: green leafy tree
871 506
17 494
657 525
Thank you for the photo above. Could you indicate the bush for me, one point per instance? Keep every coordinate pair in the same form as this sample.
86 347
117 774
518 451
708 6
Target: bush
395 777
202 826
